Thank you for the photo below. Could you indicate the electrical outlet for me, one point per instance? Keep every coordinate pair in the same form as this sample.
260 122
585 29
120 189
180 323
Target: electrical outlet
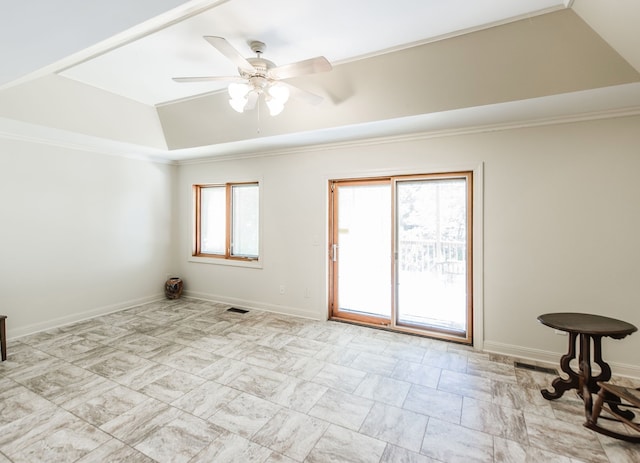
561 333
307 293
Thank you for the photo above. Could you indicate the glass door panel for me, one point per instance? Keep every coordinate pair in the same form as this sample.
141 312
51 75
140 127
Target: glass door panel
432 263
400 253
362 249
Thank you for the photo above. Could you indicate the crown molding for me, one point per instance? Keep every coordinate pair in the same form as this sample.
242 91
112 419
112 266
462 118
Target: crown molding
417 135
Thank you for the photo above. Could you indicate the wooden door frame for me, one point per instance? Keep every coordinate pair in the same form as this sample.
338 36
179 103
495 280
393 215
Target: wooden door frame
392 323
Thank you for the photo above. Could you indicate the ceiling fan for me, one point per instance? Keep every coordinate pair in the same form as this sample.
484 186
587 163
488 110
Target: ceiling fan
259 76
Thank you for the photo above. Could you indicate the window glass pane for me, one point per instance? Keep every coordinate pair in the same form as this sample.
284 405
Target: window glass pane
364 238
244 220
212 220
432 253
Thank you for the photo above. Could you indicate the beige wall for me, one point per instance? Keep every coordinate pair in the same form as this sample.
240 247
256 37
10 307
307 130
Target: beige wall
85 233
81 233
560 226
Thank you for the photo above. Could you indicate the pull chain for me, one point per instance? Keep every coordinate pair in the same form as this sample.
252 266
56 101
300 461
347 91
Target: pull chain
259 111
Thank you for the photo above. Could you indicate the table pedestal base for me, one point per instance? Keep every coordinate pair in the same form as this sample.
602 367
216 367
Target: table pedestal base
582 380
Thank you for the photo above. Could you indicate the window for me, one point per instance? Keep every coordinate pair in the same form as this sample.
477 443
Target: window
227 221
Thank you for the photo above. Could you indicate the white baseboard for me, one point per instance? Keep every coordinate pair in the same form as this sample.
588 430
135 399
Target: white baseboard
247 304
78 317
553 358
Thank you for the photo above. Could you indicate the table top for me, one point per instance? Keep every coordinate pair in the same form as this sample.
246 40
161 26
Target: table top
574 322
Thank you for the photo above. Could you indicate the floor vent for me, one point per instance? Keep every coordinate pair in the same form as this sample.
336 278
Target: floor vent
237 310
526 366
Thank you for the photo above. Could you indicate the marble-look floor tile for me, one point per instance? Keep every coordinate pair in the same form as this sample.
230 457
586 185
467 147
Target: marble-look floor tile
139 343
144 373
446 360
276 340
90 389
55 432
444 441
569 408
258 381
340 377
374 363
330 333
417 373
56 383
218 386
383 389
394 454
71 348
291 433
24 361
231 448
397 426
206 399
337 355
404 351
506 451
276 457
212 341
178 440
134 425
297 394
521 398
115 451
342 408
270 358
244 415
494 419
188 359
67 443
18 401
343 445
534 379
434 403
491 370
172 386
106 334
302 367
224 370
108 405
115 365
559 437
618 451
466 385
366 342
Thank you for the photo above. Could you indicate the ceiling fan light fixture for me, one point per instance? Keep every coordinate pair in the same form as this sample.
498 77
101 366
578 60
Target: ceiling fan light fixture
259 76
238 104
277 95
238 93
275 107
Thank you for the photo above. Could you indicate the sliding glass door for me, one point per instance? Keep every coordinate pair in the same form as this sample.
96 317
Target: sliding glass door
400 253
360 251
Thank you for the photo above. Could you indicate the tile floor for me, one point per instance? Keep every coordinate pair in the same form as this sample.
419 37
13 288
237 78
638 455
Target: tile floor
187 381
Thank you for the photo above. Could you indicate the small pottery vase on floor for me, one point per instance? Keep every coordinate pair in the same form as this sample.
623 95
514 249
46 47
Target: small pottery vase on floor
173 288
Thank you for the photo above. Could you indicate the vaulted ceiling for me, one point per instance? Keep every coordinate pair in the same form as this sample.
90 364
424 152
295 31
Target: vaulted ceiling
98 74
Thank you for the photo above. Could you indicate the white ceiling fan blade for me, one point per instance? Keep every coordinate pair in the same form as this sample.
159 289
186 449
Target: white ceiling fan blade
209 79
298 93
231 53
308 66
